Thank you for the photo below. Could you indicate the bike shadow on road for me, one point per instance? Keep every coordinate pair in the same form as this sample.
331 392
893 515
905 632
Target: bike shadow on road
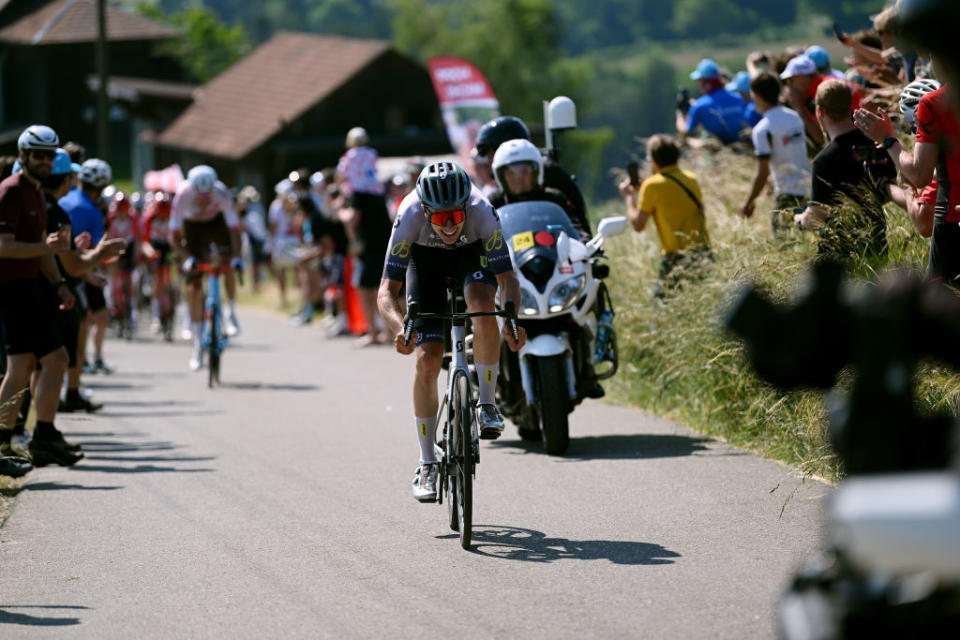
15 617
640 446
528 545
269 386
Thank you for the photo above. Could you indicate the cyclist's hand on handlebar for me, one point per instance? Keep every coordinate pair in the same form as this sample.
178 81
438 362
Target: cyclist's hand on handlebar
405 347
515 345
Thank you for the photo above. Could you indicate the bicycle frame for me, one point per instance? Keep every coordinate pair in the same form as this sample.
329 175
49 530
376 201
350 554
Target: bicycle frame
213 338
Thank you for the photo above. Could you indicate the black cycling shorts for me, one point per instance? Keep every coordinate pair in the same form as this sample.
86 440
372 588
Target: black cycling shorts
944 261
163 249
427 281
200 235
95 298
29 322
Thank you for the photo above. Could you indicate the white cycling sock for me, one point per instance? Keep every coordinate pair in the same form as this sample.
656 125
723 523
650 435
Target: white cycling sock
488 383
427 435
231 305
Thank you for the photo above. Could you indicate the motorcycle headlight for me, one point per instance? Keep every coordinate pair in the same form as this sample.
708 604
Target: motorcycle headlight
528 303
566 293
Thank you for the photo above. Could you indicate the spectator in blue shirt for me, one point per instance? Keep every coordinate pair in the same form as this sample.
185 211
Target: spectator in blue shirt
718 111
81 205
741 86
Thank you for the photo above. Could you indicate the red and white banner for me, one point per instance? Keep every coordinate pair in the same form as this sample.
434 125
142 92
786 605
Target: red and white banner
466 100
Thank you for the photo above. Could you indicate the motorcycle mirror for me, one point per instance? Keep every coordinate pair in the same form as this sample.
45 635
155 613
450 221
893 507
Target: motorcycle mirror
563 247
612 226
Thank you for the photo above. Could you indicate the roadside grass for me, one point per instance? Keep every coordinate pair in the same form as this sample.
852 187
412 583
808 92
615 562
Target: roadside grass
678 362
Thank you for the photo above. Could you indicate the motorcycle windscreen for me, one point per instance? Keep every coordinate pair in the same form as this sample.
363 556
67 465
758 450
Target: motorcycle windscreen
532 228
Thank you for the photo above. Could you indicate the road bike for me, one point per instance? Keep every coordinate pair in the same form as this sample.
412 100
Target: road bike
459 448
213 338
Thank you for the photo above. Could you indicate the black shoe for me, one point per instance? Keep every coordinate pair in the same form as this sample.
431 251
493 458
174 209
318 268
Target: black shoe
13 468
102 367
8 451
75 448
53 451
78 404
596 392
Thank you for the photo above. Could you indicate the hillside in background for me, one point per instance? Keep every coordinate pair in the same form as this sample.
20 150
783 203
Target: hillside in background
620 60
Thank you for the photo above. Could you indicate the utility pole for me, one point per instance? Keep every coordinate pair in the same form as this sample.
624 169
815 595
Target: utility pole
103 115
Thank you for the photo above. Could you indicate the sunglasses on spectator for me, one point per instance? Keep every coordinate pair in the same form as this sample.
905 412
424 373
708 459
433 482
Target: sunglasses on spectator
441 218
44 154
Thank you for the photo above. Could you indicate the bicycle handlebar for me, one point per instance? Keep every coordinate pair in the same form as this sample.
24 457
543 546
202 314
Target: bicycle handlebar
413 314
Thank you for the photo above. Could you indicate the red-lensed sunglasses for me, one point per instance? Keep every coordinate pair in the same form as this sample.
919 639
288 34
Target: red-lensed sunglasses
440 218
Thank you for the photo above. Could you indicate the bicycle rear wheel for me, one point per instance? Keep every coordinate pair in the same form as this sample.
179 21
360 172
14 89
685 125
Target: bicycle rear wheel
461 498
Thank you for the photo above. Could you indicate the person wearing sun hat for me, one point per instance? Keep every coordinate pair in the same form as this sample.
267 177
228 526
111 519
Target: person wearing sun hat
802 79
821 58
718 111
741 86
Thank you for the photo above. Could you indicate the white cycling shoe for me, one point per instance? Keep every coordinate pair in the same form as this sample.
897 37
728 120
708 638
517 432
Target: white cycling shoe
230 325
196 360
425 482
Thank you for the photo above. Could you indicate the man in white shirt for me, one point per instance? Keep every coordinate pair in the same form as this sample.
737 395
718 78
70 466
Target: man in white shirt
778 141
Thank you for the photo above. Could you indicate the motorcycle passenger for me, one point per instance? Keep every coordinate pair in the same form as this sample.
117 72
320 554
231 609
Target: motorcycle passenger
446 227
518 170
497 131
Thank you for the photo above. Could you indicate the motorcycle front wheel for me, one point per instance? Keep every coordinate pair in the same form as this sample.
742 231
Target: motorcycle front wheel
552 403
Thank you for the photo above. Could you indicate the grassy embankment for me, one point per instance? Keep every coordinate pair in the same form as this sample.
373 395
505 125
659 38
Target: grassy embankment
677 361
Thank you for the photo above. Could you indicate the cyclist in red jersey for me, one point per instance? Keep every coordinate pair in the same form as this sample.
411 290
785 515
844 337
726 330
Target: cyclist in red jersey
155 247
122 224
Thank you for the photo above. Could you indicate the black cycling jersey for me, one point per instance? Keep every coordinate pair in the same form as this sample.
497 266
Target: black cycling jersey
556 177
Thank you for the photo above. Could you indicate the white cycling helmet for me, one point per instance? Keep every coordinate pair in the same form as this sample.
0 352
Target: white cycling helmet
911 94
512 152
202 178
38 137
96 173
357 137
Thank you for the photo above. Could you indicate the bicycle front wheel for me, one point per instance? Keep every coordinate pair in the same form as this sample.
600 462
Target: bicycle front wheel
213 352
461 412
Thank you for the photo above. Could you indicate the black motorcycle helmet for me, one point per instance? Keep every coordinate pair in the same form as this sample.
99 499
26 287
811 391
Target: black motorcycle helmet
499 130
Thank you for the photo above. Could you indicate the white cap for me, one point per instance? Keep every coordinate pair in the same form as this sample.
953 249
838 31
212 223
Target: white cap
799 66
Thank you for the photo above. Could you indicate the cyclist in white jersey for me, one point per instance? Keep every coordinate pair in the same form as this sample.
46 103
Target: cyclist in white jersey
202 215
446 227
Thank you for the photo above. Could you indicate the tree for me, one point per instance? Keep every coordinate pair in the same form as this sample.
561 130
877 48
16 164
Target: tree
515 43
206 45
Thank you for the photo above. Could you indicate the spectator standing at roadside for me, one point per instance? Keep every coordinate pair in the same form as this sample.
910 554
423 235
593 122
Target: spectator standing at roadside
30 329
802 80
740 85
821 59
938 147
844 202
778 142
718 111
367 216
86 216
672 198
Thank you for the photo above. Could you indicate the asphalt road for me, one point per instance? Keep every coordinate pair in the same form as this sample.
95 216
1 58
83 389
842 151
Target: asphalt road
279 506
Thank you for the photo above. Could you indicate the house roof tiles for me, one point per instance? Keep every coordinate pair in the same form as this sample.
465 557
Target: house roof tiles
75 21
250 102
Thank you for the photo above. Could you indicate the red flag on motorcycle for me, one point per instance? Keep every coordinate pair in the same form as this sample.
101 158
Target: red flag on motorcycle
466 100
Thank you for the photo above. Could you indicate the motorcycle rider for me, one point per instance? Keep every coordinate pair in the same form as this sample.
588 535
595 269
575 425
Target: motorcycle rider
518 168
497 131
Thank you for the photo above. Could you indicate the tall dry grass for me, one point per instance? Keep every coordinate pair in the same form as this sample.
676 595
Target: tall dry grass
678 362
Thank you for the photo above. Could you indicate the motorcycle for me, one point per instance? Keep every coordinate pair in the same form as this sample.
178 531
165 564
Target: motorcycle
567 313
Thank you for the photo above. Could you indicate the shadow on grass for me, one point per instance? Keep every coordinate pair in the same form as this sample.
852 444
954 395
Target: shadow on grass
527 545
11 617
617 447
